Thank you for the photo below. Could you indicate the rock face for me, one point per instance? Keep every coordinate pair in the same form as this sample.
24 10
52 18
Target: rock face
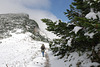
11 22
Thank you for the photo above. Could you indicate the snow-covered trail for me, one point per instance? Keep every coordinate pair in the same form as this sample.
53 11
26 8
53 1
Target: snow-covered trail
21 51
47 62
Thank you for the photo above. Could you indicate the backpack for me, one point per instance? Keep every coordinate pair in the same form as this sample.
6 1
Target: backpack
42 47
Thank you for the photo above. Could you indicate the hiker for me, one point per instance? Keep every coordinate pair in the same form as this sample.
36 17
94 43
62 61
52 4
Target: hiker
43 49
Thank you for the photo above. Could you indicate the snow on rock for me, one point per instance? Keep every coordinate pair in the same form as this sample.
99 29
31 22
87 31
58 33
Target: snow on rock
21 51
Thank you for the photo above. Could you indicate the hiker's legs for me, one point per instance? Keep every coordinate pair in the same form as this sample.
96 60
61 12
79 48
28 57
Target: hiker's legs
43 53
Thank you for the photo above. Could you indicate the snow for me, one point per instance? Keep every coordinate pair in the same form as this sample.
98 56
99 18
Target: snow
43 33
89 34
55 62
21 51
69 42
97 47
92 15
76 29
98 14
74 59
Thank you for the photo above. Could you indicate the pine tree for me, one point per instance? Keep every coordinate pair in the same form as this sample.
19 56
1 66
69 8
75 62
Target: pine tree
70 40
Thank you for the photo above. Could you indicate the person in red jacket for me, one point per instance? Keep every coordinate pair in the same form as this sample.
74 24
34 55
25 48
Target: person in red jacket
43 49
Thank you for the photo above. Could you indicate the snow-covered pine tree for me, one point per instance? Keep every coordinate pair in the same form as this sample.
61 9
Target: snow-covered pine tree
94 18
80 34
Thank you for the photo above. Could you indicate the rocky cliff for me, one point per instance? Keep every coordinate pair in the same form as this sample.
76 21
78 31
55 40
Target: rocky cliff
12 22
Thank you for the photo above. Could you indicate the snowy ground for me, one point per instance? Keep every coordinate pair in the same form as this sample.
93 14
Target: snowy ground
21 51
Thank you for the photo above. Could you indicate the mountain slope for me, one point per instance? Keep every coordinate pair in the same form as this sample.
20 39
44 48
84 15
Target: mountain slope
11 22
21 51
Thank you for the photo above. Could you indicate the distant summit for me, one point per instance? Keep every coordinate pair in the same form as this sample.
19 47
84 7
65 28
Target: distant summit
10 15
11 22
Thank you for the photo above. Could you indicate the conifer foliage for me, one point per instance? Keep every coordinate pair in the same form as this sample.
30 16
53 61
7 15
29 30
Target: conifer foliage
79 34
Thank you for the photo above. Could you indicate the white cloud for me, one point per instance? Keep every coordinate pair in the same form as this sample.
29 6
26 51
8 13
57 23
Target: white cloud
22 5
9 6
31 7
36 3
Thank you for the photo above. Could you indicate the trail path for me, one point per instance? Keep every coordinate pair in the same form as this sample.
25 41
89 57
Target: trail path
47 64
21 51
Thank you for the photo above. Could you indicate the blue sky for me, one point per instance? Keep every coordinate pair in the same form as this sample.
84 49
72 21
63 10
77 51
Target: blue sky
58 7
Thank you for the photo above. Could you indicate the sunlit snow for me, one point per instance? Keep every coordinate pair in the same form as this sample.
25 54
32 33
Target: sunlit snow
21 51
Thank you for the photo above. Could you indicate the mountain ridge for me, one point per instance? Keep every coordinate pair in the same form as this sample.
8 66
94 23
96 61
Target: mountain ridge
13 21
